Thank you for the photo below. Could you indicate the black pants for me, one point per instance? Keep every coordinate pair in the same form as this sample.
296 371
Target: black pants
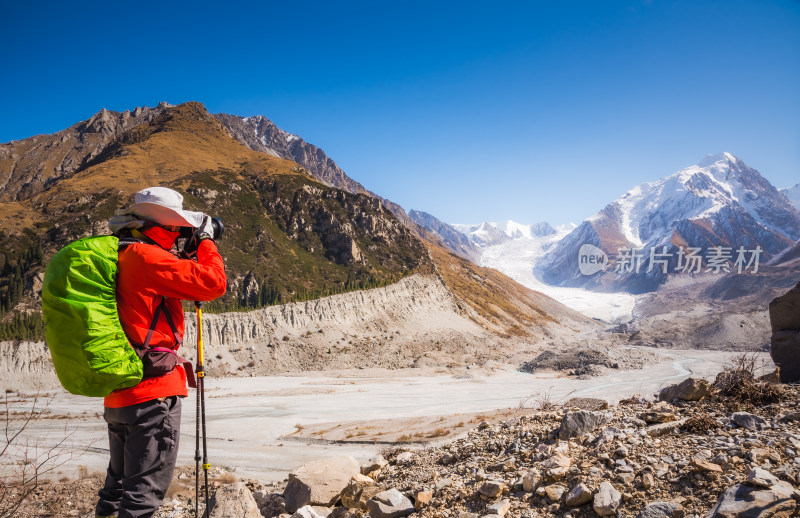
143 440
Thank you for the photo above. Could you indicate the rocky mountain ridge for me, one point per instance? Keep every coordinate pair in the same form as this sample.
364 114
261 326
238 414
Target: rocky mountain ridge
449 236
261 134
27 166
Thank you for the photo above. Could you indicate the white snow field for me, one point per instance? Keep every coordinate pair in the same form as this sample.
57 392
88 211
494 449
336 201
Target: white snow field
517 258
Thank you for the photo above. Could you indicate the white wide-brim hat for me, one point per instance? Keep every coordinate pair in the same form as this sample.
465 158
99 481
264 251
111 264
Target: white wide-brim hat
163 206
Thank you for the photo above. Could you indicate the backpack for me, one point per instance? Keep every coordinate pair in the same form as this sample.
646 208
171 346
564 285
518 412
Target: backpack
89 349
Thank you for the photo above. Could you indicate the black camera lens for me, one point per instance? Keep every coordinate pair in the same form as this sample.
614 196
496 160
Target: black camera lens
218 227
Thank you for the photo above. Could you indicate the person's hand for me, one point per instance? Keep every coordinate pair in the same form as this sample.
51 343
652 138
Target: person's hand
206 229
201 233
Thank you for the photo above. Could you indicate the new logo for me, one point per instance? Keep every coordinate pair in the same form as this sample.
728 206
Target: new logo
591 259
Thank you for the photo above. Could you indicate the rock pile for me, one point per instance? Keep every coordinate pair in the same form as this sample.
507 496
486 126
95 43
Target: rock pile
643 457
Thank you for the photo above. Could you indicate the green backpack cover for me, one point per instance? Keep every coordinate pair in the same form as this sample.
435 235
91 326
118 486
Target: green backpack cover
90 351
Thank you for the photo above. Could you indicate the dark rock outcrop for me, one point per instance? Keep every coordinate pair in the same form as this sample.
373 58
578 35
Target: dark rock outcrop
784 315
576 424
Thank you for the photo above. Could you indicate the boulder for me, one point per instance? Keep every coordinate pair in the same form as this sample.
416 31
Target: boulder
358 491
748 421
690 389
530 480
578 423
233 501
662 510
746 501
555 492
499 508
375 463
579 495
657 430
422 498
758 455
492 488
557 466
702 464
308 511
607 500
319 482
389 504
759 477
784 316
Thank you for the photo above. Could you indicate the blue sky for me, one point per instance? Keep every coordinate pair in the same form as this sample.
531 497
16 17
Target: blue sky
469 110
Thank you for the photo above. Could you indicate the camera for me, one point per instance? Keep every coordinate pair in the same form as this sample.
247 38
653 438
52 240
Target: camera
217 228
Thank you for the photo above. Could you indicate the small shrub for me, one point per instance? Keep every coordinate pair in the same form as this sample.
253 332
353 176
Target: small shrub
738 382
700 424
541 402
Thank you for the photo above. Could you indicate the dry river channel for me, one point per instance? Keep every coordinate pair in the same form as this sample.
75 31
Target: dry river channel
250 421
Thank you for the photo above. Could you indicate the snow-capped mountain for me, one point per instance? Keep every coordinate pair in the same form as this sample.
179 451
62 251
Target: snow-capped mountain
793 193
519 231
496 232
720 202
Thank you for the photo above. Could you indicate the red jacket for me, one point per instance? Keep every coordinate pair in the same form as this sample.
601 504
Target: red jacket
148 273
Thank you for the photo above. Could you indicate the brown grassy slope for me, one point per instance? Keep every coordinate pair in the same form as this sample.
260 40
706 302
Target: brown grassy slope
498 301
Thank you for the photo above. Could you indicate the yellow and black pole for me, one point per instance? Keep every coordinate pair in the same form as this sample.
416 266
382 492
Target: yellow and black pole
201 417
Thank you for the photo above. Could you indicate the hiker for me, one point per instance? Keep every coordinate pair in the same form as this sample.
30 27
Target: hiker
144 420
